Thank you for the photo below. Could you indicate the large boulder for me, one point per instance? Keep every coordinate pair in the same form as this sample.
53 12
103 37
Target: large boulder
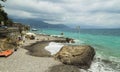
80 56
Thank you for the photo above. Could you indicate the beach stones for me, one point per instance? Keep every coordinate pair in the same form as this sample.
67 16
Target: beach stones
80 56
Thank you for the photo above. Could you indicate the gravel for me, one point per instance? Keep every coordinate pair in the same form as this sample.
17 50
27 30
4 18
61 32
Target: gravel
21 62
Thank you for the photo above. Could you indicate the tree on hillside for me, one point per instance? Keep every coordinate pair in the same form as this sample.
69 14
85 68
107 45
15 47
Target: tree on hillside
3 0
4 17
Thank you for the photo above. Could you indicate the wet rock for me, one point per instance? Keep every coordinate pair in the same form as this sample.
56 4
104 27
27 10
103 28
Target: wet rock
80 56
70 40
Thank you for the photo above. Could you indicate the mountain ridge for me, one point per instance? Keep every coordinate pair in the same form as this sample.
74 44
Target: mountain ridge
39 24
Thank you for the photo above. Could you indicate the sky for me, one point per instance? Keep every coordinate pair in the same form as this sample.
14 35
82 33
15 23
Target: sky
86 13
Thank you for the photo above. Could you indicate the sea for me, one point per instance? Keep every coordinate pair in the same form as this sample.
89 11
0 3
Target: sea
105 41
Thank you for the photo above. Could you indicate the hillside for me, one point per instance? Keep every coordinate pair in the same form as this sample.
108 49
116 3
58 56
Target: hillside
39 24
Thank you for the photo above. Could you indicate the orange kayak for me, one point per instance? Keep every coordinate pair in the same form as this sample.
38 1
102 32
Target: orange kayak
6 53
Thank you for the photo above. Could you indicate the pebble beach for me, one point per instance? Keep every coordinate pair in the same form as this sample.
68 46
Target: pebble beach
22 61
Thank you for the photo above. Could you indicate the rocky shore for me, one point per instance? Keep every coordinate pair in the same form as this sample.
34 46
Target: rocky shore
33 57
37 49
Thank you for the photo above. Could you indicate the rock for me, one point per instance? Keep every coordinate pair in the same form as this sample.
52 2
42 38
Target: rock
37 49
7 44
80 56
70 40
63 68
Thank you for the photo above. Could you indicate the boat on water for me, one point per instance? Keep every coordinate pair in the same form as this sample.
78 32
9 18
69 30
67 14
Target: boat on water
33 29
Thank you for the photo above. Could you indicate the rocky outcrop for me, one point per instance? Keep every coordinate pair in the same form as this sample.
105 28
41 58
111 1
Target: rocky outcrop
70 40
6 44
64 40
80 56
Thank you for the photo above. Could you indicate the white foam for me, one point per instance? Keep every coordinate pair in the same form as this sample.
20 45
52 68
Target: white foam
78 41
57 35
96 66
99 67
53 47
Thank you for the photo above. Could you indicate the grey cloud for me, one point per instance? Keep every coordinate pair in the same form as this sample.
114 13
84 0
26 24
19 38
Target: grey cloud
102 13
106 11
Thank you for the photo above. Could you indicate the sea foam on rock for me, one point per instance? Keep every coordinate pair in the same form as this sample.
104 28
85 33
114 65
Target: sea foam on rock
80 56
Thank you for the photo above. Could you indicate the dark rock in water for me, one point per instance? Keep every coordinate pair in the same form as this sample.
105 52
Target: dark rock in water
106 61
58 41
80 56
69 40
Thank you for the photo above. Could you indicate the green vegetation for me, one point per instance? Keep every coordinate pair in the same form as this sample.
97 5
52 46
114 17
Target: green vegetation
3 0
8 22
9 35
4 17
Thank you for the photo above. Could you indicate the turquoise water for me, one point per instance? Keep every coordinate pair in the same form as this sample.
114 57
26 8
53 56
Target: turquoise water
105 41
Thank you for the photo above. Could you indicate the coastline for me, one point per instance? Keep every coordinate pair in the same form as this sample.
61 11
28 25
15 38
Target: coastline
26 59
36 48
33 52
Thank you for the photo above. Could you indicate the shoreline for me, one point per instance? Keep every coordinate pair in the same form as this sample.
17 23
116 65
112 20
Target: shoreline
23 60
26 59
79 70
37 48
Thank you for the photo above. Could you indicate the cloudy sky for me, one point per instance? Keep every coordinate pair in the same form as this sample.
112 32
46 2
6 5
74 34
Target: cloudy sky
86 13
